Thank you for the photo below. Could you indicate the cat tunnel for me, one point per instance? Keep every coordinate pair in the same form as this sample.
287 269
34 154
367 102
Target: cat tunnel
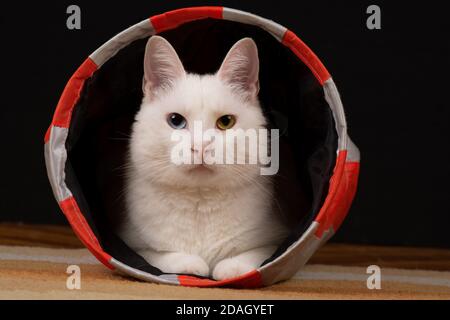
86 143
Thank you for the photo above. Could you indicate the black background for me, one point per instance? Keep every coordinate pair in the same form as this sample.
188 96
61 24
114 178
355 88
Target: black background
393 82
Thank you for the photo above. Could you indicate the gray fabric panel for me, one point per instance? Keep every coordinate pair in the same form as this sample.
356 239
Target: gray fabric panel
165 279
295 257
352 151
270 26
335 103
110 48
55 160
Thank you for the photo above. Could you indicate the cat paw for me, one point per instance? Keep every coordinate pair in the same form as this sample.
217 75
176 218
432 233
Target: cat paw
231 268
189 264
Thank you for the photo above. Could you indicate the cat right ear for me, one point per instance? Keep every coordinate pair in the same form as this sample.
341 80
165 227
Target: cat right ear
240 68
162 66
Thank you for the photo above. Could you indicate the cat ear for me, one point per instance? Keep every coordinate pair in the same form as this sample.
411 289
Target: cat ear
162 66
240 68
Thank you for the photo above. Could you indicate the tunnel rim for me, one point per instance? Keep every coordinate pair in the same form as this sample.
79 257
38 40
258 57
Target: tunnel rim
56 156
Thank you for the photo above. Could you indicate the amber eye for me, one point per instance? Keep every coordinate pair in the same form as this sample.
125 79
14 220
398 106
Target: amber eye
226 122
176 121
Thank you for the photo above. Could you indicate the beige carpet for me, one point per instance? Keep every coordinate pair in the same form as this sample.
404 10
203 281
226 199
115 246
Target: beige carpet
40 273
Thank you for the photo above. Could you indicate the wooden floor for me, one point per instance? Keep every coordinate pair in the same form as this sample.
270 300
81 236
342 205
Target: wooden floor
330 254
34 260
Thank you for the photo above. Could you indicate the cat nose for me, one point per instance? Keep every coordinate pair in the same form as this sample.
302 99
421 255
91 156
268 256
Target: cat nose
202 148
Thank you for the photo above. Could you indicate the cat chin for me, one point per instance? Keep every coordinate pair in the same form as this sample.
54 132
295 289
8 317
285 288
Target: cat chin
204 176
200 169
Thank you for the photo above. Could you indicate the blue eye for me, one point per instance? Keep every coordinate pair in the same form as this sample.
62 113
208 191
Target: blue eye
176 121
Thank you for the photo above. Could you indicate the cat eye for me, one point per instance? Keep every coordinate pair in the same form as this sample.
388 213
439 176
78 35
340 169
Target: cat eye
176 121
226 122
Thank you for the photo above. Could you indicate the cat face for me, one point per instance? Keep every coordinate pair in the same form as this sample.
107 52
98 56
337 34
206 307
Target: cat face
175 101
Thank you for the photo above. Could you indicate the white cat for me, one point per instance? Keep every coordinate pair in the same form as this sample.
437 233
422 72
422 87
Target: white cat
208 220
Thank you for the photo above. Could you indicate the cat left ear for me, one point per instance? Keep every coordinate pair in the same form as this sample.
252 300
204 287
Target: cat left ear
162 66
240 68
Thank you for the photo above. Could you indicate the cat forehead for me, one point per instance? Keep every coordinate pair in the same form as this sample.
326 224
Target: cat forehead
204 93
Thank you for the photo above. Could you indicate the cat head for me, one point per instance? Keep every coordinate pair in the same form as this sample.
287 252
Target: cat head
178 102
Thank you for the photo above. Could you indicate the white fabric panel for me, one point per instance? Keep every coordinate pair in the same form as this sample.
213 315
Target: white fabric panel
270 26
145 276
353 154
55 160
334 100
110 48
295 257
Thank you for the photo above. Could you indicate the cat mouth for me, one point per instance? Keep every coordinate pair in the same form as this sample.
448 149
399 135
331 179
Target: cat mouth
200 169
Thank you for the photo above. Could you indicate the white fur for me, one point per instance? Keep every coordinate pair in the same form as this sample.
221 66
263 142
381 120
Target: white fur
217 222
